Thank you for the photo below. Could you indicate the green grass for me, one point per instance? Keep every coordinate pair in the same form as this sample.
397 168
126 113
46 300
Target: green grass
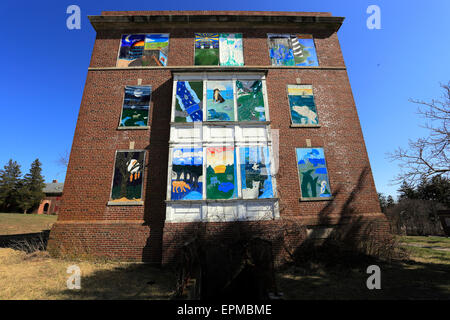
18 223
206 57
436 241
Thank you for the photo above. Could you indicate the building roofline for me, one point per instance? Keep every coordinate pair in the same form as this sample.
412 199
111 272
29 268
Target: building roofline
138 20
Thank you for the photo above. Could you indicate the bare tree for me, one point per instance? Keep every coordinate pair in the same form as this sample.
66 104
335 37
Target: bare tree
63 159
427 157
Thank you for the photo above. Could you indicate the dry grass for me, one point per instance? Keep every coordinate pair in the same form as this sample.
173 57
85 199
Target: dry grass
17 223
37 276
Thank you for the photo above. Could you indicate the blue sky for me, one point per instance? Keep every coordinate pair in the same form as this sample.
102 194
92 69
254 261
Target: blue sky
44 67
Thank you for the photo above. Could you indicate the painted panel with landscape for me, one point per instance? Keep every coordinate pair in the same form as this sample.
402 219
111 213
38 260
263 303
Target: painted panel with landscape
137 50
313 173
189 104
136 103
250 101
221 173
231 52
280 50
128 176
206 49
187 174
220 100
302 105
255 173
304 50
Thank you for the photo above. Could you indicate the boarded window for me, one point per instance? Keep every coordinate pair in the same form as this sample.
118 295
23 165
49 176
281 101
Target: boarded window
313 174
212 49
128 176
250 101
256 179
187 174
302 105
292 50
221 173
138 50
136 104
220 100
189 101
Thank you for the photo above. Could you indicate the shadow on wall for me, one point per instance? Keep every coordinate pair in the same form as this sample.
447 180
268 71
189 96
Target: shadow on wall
231 260
238 259
156 186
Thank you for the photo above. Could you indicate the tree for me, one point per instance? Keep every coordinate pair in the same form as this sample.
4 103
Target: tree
385 202
10 184
32 185
437 189
428 157
407 191
382 200
389 201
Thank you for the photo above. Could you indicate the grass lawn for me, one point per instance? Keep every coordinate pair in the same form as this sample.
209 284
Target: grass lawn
18 223
425 275
37 276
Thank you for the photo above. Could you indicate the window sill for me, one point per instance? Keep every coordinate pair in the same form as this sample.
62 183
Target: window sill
128 203
219 201
220 123
316 199
134 128
293 125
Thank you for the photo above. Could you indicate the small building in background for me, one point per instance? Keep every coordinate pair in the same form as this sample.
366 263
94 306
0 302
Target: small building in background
53 193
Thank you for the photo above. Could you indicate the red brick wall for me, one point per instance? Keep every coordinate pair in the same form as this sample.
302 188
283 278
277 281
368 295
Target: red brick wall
136 232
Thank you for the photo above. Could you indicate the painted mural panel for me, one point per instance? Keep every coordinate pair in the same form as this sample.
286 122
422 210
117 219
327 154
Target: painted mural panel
313 173
206 49
128 176
136 103
187 174
189 104
220 100
231 50
302 105
221 173
250 101
280 50
304 50
255 173
138 50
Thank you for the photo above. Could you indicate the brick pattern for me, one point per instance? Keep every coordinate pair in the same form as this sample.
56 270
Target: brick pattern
138 232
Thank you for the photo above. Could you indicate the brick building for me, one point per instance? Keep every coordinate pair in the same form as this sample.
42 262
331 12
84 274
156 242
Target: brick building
195 118
51 202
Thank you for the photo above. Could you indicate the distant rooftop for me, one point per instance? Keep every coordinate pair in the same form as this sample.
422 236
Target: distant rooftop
54 187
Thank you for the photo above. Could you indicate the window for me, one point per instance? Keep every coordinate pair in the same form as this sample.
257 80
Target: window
256 178
139 50
220 160
212 49
128 176
136 104
220 100
187 174
313 174
292 50
302 106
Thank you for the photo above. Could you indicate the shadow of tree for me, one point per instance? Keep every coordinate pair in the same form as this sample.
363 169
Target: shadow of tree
130 281
332 268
